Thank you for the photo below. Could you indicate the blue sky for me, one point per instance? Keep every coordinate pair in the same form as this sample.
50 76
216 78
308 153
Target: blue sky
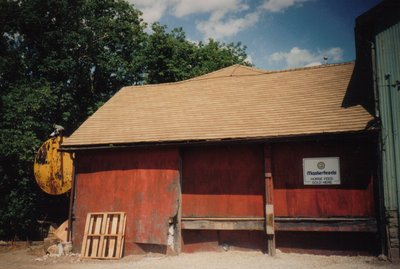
279 34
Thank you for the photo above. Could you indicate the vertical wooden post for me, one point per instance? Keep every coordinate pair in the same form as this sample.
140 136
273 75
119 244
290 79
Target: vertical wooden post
178 232
269 207
71 200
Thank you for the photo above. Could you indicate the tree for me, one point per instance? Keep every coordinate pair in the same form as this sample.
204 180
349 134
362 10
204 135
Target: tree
171 57
215 55
59 61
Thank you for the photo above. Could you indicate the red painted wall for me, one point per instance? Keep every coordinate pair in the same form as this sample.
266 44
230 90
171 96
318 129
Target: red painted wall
218 181
353 197
142 183
223 181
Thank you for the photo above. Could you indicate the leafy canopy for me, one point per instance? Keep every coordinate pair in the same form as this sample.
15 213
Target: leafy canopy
59 61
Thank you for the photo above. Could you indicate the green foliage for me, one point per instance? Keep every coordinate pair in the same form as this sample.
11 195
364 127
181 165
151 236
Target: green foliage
59 61
26 114
171 57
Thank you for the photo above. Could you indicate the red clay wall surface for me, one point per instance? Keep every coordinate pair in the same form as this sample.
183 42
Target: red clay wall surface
142 183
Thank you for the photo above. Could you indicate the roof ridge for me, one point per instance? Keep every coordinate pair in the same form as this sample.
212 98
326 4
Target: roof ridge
311 67
235 66
255 69
201 77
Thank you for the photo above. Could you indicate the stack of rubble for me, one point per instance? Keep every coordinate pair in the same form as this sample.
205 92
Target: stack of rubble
56 242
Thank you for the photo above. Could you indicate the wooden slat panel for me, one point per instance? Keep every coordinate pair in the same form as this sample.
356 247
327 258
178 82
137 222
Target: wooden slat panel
104 235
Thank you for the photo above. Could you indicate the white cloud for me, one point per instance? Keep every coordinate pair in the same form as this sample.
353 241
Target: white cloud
297 57
153 10
249 59
187 7
225 17
280 5
219 27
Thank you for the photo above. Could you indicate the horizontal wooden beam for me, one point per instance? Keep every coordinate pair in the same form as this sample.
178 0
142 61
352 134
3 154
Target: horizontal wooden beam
326 224
221 219
283 224
249 225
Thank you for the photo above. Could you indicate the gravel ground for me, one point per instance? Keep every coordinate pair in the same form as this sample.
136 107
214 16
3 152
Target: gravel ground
33 258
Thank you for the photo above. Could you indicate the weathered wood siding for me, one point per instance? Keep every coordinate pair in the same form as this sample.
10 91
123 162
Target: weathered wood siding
142 183
353 197
223 181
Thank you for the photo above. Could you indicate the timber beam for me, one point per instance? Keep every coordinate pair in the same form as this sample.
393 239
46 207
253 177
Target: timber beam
326 224
246 224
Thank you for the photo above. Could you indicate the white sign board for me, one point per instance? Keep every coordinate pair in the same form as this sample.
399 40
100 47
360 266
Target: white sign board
321 171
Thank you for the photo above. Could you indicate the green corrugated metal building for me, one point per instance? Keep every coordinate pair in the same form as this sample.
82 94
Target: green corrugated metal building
375 84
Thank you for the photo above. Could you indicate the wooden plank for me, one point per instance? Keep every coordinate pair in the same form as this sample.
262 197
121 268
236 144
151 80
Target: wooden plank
96 239
85 236
71 199
248 225
121 236
229 219
102 232
112 239
327 224
89 239
105 232
178 231
269 200
270 219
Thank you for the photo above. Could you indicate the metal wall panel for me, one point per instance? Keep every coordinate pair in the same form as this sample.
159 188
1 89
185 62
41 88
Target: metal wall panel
388 78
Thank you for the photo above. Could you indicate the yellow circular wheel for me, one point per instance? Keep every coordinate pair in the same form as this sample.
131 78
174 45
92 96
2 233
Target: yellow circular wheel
52 168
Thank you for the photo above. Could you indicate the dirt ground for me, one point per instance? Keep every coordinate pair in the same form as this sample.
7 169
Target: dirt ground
32 257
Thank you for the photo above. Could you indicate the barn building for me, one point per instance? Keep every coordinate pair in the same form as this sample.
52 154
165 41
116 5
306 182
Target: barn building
238 158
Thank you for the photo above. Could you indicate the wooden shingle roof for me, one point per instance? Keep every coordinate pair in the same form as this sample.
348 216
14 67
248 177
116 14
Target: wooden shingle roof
236 102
